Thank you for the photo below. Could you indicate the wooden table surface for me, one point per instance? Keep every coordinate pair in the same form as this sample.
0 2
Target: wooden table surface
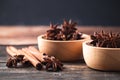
73 70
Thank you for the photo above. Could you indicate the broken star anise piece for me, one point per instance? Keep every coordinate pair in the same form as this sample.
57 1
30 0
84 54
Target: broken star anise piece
53 64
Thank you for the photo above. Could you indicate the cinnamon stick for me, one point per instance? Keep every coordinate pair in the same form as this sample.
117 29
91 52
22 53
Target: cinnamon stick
36 58
36 53
15 58
31 58
12 51
51 63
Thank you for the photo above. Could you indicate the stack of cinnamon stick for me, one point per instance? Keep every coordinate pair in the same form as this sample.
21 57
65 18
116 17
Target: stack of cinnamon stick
30 55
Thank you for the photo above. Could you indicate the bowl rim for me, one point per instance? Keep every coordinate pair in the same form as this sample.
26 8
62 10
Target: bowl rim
85 43
85 36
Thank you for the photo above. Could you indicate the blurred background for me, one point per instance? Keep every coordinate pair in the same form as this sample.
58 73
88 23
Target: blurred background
42 12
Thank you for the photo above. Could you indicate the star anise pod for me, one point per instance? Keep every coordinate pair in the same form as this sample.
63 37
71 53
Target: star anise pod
12 61
102 39
68 31
53 32
53 64
77 36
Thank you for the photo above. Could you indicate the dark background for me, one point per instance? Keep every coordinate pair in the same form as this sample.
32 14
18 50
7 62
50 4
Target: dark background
42 12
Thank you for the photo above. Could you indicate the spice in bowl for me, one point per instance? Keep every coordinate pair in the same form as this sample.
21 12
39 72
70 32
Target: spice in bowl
68 31
103 51
64 42
108 40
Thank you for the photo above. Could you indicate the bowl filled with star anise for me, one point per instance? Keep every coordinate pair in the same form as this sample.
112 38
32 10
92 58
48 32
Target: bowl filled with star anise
64 42
102 52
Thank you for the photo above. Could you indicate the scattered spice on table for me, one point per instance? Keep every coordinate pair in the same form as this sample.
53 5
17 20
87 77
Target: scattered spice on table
28 55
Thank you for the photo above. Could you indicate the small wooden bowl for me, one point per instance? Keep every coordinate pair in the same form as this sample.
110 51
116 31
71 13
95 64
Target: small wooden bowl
63 50
105 59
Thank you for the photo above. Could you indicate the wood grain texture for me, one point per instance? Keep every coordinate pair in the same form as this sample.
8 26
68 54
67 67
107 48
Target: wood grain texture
72 71
26 35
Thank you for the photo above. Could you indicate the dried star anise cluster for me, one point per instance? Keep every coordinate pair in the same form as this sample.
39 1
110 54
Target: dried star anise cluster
52 64
13 62
108 40
67 32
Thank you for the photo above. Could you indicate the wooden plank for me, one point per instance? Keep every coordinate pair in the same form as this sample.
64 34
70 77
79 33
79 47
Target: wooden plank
76 71
26 35
19 35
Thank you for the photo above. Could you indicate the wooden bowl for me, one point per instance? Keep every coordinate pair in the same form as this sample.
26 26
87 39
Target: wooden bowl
106 59
63 50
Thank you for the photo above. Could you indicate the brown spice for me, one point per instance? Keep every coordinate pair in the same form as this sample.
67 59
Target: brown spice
16 58
12 61
21 57
32 59
109 40
33 56
53 64
50 62
67 32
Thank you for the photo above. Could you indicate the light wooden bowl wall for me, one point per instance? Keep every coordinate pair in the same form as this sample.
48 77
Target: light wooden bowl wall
106 59
63 50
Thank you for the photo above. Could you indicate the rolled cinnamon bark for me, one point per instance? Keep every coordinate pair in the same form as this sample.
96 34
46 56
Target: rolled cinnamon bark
15 58
51 63
36 58
36 53
31 58
12 51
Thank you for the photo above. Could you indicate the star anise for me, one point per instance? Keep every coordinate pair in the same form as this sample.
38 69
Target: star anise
102 39
53 64
12 62
53 32
68 31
